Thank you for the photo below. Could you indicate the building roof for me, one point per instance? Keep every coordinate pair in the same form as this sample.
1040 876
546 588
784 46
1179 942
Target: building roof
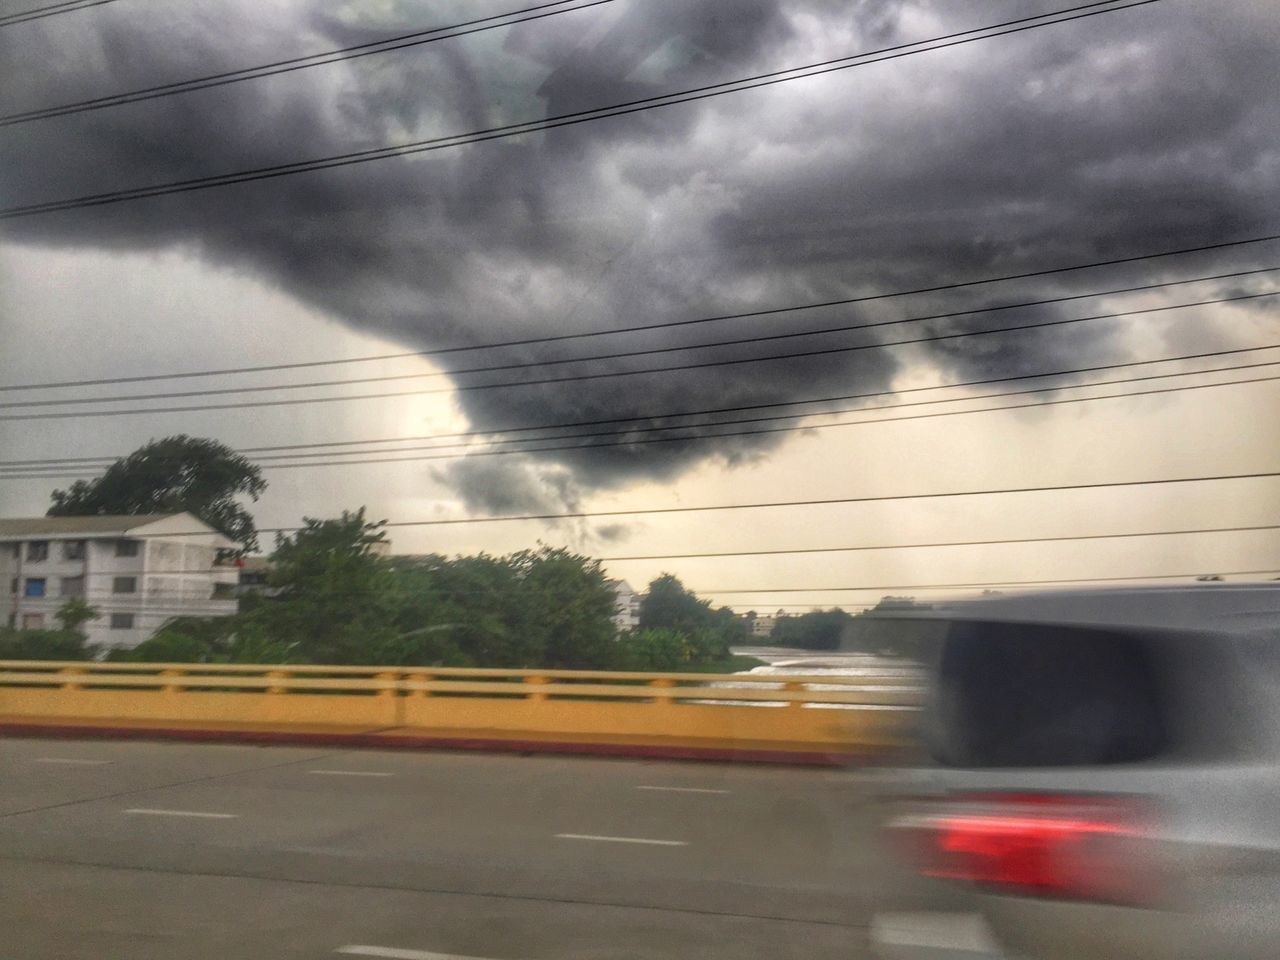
75 526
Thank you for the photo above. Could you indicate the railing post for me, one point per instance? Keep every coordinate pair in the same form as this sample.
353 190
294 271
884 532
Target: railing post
419 678
389 691
536 681
172 687
277 675
71 673
659 686
794 686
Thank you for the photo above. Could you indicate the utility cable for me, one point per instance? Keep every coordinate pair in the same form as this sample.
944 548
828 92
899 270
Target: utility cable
528 341
459 388
268 451
757 81
13 470
372 48
51 10
633 442
654 351
1073 538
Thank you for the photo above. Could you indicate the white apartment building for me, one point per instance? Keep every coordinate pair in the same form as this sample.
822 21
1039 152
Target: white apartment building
139 572
626 606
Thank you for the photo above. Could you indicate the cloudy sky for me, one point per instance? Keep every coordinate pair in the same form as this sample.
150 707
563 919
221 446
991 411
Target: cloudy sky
1128 133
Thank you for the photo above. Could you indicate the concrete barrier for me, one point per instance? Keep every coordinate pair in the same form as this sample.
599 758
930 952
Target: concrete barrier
820 719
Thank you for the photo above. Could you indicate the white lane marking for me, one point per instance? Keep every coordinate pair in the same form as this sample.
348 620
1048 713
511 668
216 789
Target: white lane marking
655 843
959 936
181 813
683 789
392 953
350 773
72 761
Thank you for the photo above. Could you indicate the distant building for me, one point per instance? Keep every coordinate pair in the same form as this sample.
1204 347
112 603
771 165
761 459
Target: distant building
626 608
253 573
139 572
763 626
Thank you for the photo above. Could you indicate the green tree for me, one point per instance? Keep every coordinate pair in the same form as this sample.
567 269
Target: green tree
565 608
44 645
816 630
670 606
335 593
74 614
172 475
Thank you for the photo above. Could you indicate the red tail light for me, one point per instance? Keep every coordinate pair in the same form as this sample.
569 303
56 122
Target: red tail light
1046 845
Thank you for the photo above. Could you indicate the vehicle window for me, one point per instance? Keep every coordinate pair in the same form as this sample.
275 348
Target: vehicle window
1012 695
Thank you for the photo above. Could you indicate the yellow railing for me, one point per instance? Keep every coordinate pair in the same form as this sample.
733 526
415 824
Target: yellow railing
653 712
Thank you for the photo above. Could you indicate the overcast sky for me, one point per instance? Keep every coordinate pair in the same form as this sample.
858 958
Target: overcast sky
1128 133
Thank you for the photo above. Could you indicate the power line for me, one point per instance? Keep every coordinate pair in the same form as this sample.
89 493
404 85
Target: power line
136 602
11 471
467 453
458 388
106 460
994 583
1073 538
884 498
528 341
52 10
653 351
874 547
274 68
757 81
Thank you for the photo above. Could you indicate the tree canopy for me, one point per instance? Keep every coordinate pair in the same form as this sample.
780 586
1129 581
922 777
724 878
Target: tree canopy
173 475
816 630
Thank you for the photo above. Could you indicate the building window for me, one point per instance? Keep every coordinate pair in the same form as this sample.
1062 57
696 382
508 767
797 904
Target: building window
33 621
37 551
126 548
124 585
122 621
35 587
16 550
73 586
73 550
13 585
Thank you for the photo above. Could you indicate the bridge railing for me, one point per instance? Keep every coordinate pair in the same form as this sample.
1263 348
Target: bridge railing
655 711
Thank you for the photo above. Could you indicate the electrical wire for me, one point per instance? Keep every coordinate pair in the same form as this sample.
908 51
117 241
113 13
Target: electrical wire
267 451
830 501
277 67
993 583
528 341
757 81
51 10
458 388
1072 538
633 442
653 351
793 551
14 472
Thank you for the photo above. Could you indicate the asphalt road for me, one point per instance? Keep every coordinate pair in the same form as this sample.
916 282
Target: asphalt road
150 850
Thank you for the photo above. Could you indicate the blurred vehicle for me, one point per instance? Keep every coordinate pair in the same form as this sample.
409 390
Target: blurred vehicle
1102 775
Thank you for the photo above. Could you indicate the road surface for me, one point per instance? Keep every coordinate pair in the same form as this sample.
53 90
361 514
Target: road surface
164 851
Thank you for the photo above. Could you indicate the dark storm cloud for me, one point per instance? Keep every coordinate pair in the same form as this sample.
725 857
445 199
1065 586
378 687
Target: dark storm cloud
1137 131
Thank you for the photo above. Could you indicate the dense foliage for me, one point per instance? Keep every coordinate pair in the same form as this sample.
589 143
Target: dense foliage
816 630
172 475
333 598
68 642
